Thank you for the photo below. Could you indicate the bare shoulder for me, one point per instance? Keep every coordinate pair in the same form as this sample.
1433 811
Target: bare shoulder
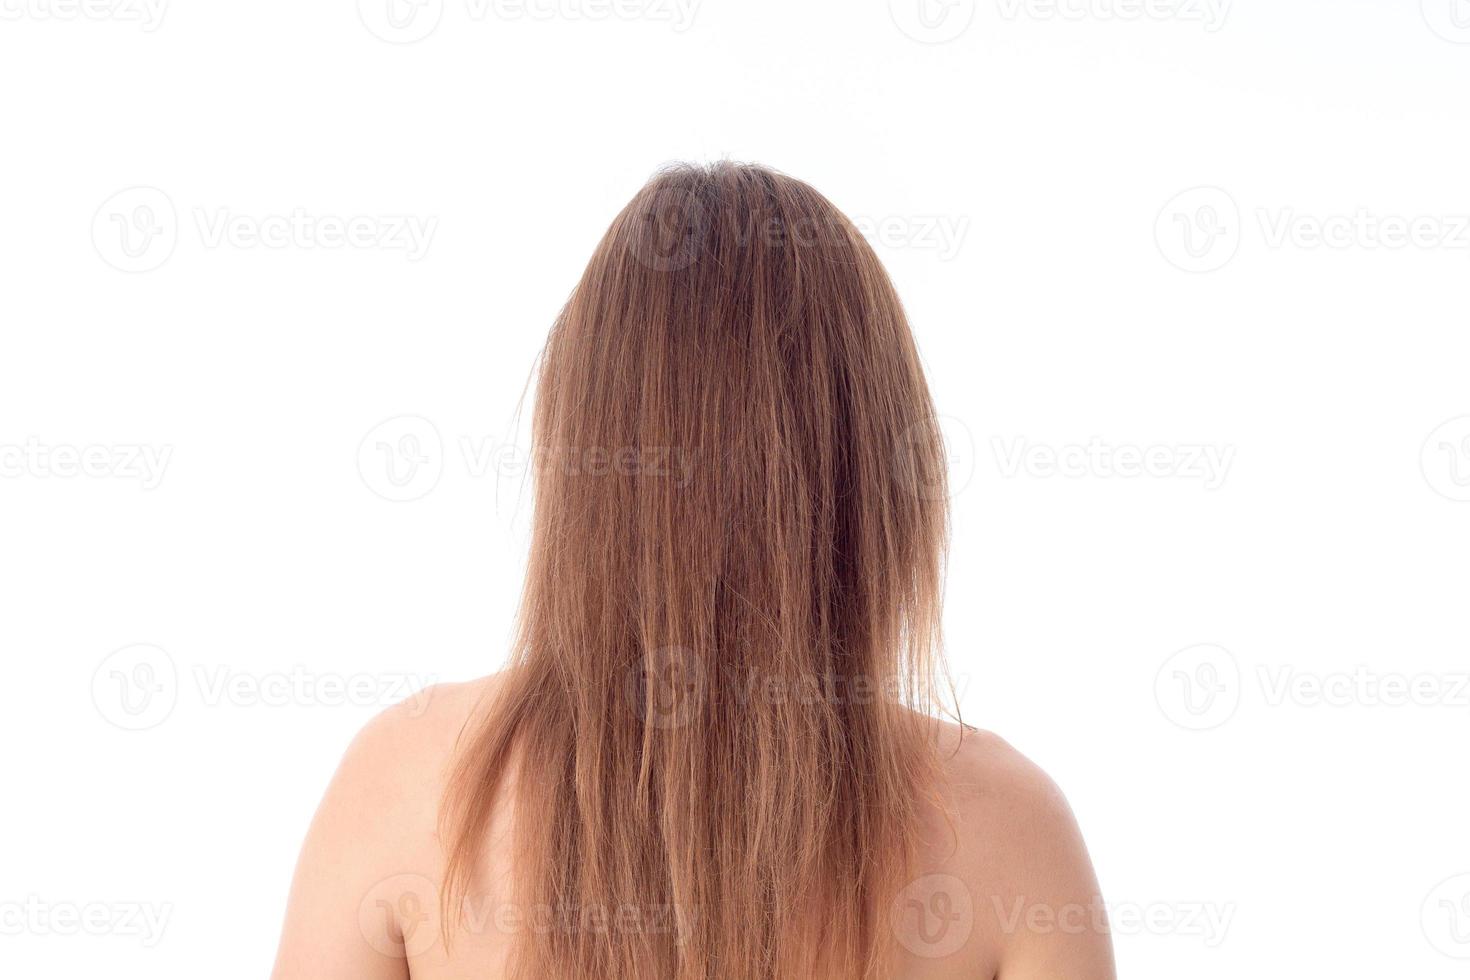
397 763
373 839
420 729
1005 831
993 787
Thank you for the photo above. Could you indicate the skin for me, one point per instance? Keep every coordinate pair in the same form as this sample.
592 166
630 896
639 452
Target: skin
1005 890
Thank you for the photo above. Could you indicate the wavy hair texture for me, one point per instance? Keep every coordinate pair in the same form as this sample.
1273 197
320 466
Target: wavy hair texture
718 707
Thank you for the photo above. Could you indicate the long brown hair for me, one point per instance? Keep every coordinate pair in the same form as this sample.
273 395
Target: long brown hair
718 708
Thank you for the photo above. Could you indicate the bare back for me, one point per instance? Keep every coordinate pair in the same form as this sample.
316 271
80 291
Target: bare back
1004 888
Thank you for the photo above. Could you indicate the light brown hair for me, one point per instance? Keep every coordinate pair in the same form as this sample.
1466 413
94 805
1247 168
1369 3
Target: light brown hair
719 700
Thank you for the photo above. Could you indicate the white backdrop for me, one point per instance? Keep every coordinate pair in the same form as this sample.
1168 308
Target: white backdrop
1188 276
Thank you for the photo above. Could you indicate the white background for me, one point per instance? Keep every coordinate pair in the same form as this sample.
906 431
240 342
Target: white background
1021 167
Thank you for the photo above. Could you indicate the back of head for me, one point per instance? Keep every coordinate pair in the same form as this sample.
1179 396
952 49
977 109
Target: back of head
731 607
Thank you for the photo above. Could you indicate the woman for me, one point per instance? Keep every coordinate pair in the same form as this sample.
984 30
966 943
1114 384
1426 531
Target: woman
715 753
